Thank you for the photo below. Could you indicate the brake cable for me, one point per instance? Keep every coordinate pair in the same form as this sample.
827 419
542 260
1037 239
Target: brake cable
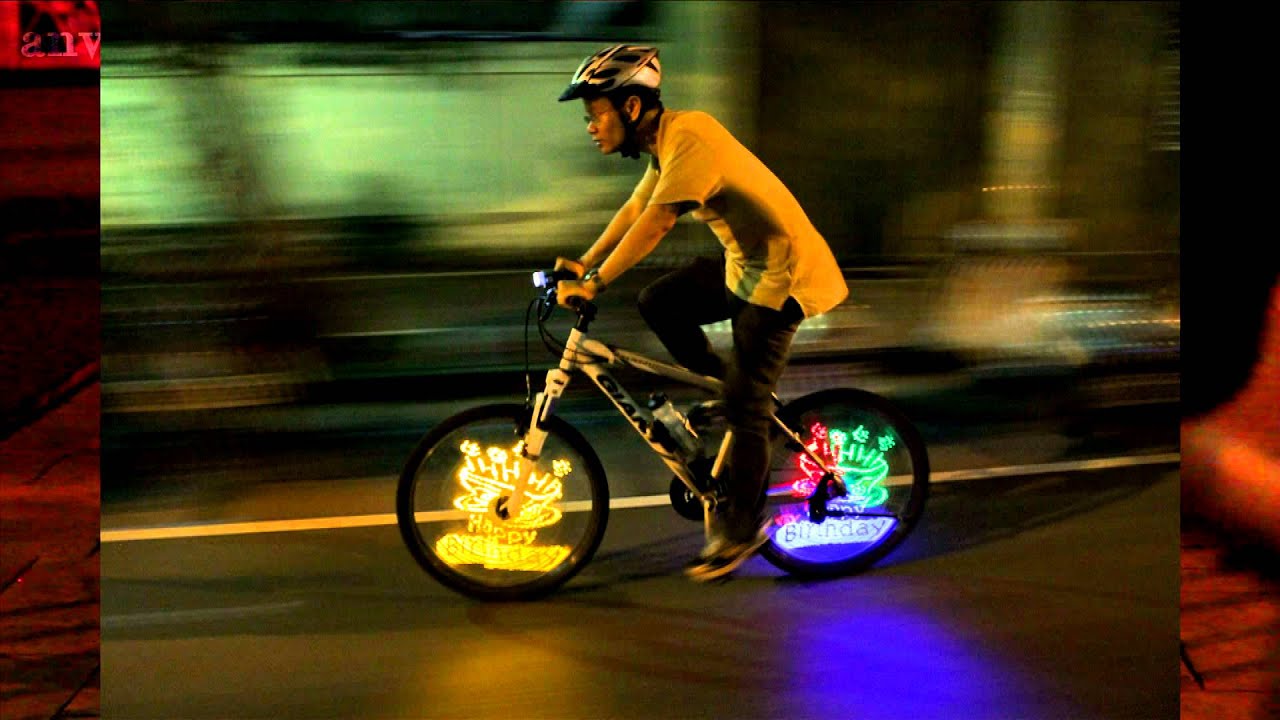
545 308
528 373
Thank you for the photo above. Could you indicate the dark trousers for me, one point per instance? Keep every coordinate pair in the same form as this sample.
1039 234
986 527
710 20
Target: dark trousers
675 307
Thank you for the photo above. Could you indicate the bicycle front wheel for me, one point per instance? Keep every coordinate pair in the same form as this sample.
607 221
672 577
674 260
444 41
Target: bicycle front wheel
885 467
454 498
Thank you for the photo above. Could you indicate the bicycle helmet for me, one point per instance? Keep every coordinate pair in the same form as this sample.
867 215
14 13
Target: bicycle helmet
615 67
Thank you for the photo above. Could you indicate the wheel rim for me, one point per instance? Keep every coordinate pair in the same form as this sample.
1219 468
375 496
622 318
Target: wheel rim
462 491
878 468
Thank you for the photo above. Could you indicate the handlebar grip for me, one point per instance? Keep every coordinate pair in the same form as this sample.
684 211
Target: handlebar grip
548 278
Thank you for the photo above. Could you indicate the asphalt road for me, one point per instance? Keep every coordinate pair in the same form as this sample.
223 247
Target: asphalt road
1043 582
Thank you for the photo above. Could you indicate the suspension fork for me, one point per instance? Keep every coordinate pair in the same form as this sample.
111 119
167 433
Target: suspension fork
530 447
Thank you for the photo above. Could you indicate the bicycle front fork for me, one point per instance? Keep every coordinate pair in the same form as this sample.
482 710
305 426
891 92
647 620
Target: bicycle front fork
534 436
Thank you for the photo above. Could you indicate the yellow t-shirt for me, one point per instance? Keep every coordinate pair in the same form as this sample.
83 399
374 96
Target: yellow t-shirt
771 248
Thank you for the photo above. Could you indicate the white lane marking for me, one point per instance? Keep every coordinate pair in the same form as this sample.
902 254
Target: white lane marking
410 332
351 278
184 616
416 276
330 523
254 527
1066 466
622 503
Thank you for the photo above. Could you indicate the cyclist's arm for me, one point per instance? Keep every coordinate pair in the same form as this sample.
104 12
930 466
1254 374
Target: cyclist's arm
645 233
622 220
613 233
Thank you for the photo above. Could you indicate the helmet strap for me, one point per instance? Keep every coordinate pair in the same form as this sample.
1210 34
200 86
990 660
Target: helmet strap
630 146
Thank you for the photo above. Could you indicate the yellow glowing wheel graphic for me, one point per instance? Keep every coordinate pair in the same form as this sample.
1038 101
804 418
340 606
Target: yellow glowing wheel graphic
883 463
488 521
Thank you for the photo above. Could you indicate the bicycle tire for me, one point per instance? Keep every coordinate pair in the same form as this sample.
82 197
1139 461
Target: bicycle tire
887 469
449 505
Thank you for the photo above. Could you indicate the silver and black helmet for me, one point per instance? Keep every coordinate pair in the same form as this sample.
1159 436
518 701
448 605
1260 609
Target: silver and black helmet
615 67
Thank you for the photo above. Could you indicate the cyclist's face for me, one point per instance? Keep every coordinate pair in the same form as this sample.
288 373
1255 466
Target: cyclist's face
604 125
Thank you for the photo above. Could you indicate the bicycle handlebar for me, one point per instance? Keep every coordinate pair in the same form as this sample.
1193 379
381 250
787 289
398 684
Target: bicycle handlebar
544 279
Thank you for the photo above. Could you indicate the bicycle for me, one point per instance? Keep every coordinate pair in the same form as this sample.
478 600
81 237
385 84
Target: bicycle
498 506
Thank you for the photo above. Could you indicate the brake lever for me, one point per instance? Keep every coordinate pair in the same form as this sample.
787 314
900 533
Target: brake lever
547 281
548 304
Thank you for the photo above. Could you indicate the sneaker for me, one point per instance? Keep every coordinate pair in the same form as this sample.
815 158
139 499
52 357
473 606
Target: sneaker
717 537
729 558
713 547
716 543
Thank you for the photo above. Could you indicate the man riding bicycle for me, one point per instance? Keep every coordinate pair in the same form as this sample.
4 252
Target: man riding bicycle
777 269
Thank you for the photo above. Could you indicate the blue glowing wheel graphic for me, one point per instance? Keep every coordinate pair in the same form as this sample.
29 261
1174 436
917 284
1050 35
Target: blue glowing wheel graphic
884 466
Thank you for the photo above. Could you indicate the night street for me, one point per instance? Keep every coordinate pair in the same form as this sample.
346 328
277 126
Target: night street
276 583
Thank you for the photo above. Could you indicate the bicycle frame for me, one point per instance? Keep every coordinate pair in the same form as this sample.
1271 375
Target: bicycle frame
601 357
501 503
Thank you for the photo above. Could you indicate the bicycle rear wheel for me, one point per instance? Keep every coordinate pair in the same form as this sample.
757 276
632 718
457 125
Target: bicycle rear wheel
884 465
453 495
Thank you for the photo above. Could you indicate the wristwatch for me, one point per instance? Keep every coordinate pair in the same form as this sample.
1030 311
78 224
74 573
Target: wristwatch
593 276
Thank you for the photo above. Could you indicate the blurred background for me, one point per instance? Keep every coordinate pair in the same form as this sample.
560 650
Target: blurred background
309 201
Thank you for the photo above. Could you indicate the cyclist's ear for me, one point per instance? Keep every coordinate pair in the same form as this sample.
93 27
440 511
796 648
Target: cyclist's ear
632 108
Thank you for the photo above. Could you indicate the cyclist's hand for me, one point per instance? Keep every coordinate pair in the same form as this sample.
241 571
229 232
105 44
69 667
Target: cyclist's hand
566 290
573 266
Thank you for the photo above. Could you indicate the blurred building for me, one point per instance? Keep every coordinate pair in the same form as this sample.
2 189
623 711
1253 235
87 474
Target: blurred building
895 123
1015 165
